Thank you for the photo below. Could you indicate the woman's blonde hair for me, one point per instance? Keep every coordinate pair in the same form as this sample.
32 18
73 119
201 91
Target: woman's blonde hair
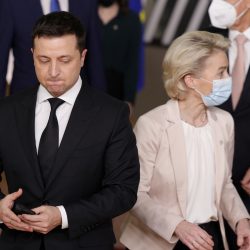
186 55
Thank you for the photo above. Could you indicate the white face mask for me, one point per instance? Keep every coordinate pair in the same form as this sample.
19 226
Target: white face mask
223 14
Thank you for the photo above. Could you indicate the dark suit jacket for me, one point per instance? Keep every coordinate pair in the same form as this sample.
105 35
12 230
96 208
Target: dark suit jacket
241 117
17 19
95 175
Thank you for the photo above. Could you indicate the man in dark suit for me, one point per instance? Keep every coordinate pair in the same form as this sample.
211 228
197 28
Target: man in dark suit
239 107
16 21
76 164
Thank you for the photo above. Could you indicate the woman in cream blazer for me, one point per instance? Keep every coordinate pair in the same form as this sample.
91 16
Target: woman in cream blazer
178 204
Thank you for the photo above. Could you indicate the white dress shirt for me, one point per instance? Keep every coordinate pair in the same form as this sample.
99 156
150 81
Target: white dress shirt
232 52
201 207
63 112
64 5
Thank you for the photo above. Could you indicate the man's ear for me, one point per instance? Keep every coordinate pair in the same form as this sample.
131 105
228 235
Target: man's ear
83 56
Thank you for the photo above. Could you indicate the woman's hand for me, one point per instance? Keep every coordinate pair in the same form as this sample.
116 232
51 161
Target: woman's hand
193 236
243 234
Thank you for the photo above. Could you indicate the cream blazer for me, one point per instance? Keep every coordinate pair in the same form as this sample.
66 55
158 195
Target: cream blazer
162 194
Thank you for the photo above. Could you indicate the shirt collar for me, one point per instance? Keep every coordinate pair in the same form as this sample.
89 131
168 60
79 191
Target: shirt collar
69 96
234 33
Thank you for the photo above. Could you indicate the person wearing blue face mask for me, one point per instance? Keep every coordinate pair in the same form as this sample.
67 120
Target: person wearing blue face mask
185 149
231 18
220 92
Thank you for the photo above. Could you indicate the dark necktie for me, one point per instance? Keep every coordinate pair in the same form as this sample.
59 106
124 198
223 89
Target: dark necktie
49 141
54 5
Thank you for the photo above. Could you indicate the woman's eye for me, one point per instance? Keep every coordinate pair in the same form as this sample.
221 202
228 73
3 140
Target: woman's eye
220 74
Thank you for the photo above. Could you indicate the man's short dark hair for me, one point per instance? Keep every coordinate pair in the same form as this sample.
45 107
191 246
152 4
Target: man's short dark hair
57 24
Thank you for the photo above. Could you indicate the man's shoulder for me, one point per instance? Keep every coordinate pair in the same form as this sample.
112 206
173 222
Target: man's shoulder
104 100
109 109
19 98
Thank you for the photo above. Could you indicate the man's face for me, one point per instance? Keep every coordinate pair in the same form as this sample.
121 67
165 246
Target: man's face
57 62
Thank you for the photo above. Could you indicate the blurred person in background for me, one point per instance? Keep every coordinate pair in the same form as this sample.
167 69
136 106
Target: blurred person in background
16 21
231 18
185 151
121 41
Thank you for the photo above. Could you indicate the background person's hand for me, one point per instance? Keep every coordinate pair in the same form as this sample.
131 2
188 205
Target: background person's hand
243 234
245 183
46 219
7 216
193 236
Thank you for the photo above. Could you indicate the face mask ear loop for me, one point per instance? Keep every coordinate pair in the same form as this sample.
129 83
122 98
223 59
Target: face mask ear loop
205 80
196 90
209 82
237 3
243 12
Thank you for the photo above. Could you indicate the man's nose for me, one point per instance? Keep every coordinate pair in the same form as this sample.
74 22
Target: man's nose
54 69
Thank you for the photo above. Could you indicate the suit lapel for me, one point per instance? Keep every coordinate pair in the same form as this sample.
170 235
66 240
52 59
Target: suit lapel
83 111
177 147
25 117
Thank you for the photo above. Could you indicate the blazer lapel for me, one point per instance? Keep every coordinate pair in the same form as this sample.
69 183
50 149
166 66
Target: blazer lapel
176 140
218 153
25 117
177 147
83 110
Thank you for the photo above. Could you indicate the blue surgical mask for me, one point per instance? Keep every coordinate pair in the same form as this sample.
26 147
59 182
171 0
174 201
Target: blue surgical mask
221 90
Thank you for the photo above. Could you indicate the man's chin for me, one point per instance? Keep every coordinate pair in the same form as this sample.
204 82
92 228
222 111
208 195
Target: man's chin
55 91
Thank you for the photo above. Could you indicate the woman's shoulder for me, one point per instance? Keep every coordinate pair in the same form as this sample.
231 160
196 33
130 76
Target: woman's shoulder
221 114
151 125
155 113
155 116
